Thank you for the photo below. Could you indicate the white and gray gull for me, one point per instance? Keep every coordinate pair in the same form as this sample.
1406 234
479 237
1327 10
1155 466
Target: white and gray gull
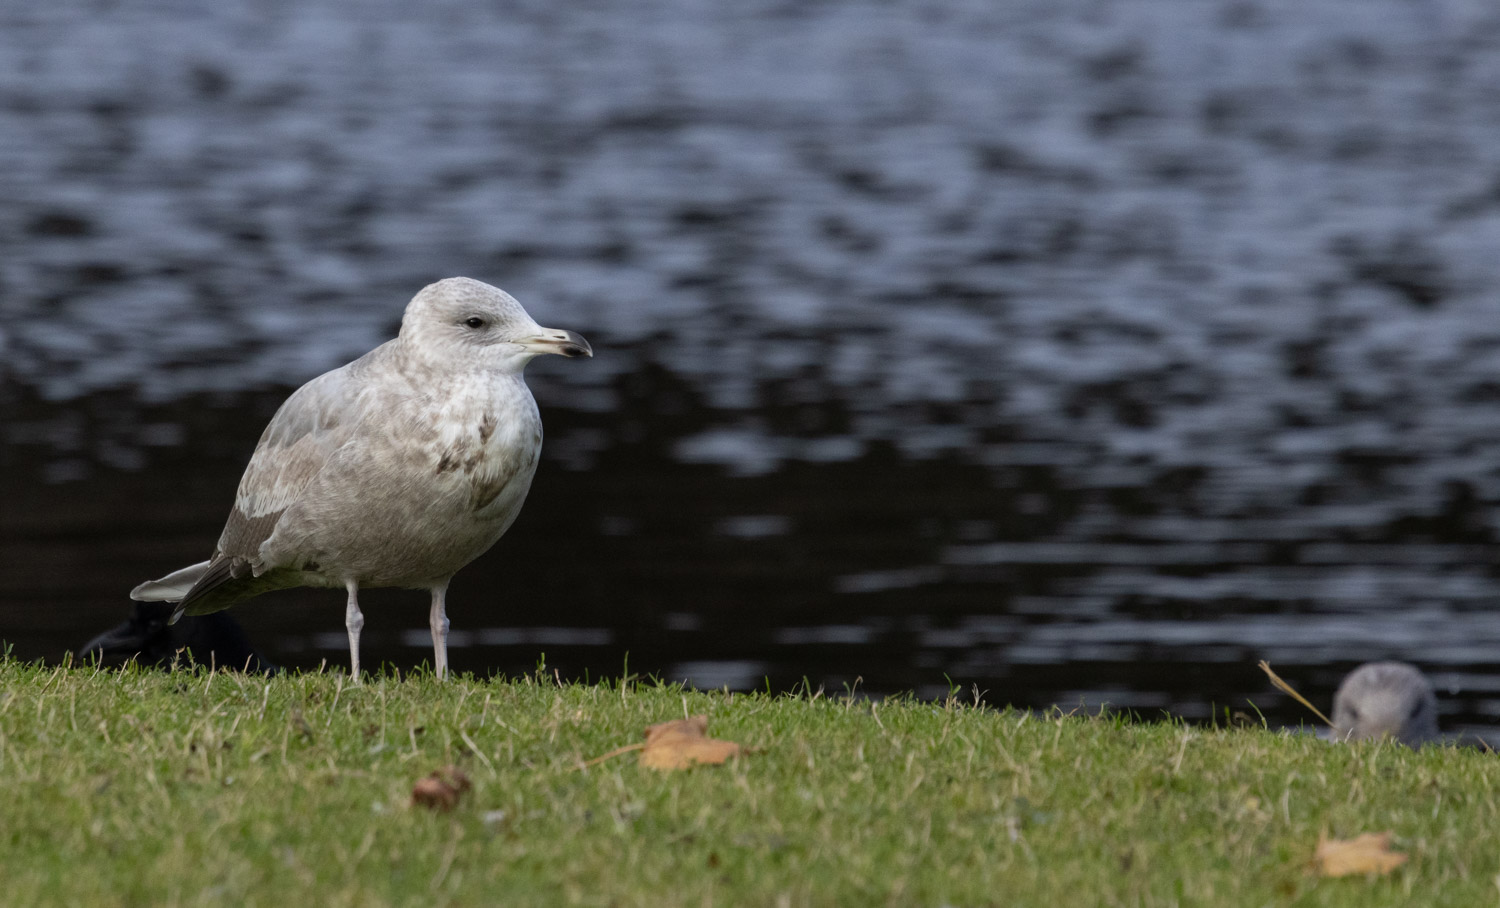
395 470
1386 699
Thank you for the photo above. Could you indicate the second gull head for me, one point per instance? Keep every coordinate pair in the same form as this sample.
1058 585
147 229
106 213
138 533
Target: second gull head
1386 699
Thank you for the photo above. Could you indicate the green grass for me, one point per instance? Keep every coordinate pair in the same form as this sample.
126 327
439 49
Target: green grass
145 787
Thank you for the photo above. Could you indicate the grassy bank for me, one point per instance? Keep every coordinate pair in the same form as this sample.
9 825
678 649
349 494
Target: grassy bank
193 788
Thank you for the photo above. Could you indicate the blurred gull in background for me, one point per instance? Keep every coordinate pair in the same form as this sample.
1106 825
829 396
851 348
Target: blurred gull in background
1386 699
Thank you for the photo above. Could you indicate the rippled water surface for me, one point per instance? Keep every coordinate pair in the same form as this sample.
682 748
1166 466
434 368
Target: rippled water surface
1077 351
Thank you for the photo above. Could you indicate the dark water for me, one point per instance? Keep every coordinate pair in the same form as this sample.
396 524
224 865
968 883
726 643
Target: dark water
1082 351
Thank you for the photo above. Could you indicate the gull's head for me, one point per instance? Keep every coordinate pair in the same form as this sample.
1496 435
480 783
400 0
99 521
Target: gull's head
1385 699
461 319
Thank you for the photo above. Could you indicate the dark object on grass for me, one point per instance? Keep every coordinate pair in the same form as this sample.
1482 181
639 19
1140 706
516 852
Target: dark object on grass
442 789
149 638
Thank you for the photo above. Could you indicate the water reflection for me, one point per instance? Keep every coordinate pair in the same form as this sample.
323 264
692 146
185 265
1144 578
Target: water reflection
1081 352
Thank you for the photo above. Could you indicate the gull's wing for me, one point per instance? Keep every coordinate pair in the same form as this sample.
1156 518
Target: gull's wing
309 428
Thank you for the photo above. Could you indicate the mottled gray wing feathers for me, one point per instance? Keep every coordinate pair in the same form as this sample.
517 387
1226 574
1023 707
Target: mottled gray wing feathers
314 423
317 420
232 561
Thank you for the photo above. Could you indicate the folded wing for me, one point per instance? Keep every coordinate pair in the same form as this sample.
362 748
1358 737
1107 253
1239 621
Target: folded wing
312 425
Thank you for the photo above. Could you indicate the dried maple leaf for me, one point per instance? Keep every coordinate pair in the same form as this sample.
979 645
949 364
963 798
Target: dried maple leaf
681 743
1368 853
441 789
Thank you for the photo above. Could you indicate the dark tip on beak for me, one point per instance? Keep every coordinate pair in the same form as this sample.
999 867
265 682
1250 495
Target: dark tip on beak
563 343
572 344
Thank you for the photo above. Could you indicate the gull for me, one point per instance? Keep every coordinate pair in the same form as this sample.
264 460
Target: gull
1386 699
395 470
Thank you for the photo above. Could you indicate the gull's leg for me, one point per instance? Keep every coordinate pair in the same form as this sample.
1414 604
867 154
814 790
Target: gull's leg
354 620
439 622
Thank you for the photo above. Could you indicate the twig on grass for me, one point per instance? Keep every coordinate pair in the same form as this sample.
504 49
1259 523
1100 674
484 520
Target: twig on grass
614 753
1287 689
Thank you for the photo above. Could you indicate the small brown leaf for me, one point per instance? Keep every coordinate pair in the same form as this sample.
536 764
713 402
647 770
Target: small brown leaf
441 789
1367 853
682 743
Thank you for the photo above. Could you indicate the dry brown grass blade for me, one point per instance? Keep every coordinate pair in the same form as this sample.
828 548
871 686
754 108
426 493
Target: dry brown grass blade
1287 689
614 753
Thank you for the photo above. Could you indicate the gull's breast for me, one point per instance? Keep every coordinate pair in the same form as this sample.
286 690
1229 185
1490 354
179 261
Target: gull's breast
488 445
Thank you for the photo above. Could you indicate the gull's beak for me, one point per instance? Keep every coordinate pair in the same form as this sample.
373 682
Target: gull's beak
556 340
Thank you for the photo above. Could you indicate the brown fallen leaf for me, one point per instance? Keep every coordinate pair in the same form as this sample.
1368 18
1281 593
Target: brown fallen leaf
1367 853
681 743
441 789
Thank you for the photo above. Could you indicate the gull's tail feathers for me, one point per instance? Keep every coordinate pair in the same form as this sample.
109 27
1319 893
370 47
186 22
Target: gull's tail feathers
209 586
171 588
226 580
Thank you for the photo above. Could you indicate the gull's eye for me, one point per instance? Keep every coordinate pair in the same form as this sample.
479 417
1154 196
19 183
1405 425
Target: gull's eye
474 321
